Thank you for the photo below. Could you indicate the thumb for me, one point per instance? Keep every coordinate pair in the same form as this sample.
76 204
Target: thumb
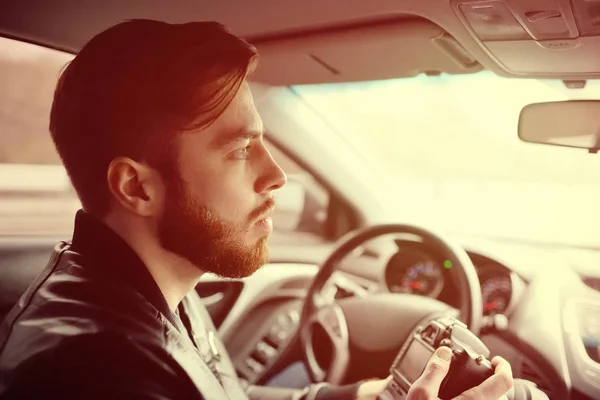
428 384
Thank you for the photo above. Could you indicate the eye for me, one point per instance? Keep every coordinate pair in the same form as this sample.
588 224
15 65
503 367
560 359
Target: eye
242 154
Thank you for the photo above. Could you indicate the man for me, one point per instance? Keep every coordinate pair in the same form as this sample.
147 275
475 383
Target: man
156 126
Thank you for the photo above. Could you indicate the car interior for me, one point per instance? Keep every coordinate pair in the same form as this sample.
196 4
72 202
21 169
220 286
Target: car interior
441 159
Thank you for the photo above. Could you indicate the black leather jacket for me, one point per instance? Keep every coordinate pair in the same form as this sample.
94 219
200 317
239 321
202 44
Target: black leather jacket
94 325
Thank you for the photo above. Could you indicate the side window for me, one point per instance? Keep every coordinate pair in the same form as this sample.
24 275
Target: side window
36 197
301 204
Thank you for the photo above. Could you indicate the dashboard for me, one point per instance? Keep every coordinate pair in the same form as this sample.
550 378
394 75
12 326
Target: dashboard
549 337
418 269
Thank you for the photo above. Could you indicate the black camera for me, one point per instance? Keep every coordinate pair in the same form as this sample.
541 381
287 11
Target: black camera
468 368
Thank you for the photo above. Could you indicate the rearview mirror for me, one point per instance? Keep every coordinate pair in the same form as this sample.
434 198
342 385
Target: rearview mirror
562 123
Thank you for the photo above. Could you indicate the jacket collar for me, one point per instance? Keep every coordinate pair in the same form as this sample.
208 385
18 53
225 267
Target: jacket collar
103 248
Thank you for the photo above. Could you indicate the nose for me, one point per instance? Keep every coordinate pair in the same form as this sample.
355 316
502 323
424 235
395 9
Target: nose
271 176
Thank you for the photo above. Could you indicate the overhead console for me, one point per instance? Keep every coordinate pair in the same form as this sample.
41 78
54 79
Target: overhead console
537 37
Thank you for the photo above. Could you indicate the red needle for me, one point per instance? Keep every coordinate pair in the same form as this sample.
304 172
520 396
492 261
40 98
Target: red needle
415 285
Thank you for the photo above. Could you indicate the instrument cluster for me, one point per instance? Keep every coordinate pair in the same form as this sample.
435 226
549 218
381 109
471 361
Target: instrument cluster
414 270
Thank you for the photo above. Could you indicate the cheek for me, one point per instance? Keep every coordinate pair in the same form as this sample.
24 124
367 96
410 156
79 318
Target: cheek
224 189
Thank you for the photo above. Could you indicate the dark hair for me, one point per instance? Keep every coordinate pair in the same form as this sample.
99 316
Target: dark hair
133 88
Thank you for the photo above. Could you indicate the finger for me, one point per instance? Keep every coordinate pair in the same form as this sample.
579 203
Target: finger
437 367
495 386
372 388
503 368
428 384
500 363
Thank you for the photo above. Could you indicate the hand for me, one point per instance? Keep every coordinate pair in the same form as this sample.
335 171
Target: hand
369 390
428 384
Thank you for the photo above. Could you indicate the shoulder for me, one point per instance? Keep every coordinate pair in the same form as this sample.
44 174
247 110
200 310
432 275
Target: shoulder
68 300
95 366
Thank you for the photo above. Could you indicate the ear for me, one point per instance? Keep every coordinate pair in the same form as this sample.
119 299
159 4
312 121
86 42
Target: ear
134 186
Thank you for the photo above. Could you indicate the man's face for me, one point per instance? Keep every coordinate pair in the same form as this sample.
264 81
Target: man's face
216 212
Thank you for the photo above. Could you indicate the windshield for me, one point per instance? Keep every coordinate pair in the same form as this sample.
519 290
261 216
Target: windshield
450 145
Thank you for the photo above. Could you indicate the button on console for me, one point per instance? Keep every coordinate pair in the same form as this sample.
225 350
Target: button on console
254 365
266 350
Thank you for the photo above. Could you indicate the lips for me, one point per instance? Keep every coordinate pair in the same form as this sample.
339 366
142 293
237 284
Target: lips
265 215
264 211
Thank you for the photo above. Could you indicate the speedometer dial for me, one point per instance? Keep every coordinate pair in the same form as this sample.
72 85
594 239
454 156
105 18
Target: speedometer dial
415 272
496 292
424 278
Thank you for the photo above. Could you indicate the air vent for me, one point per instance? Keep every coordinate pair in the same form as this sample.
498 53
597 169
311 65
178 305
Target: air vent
529 373
342 293
594 283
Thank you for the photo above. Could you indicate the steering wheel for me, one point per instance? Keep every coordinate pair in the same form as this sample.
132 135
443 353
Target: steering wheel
359 330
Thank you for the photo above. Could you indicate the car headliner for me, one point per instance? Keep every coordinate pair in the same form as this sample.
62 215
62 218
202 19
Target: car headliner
310 41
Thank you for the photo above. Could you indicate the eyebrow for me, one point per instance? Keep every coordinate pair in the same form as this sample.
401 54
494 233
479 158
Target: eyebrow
235 136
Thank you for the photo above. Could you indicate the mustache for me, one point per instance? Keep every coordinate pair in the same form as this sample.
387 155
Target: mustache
265 207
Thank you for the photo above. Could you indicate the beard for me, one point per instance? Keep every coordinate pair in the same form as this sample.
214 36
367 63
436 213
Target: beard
206 240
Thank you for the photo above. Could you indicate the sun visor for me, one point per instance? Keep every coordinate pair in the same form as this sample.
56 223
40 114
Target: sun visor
395 49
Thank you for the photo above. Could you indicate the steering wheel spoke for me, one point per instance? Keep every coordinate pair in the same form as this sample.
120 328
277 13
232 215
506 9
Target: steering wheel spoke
327 324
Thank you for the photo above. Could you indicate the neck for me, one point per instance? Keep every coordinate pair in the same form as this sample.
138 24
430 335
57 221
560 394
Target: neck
174 275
